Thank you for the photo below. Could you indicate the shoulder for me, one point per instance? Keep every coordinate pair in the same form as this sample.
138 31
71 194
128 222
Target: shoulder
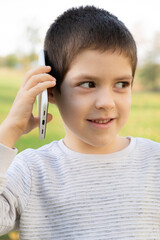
42 154
148 142
44 161
147 146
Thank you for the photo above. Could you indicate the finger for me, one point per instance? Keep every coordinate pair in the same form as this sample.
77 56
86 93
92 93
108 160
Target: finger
33 92
36 122
35 71
39 78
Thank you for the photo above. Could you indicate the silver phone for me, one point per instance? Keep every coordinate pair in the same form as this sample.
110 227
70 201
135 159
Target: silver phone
42 102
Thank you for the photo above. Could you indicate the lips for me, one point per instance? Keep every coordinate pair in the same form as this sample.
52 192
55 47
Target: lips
101 121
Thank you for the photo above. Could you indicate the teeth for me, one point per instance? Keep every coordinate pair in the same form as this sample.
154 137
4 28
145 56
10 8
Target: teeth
101 121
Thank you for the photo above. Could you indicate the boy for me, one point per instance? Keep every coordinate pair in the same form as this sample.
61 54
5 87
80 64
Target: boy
93 184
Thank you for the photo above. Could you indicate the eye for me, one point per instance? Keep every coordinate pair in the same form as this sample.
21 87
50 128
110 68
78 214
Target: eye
122 84
88 84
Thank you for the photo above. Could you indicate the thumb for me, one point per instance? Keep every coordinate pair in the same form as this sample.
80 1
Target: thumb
36 120
49 117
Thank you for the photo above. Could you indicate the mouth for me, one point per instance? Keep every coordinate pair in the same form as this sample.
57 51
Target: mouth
100 121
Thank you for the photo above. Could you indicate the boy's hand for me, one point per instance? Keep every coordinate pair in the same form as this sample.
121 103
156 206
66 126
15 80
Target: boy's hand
20 119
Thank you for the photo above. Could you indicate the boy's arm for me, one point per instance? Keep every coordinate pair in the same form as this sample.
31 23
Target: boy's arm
19 121
8 154
8 134
15 187
7 212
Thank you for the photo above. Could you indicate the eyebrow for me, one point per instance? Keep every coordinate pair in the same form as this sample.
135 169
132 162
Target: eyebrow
94 78
85 76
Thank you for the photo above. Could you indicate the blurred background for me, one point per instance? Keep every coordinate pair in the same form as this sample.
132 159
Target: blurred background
23 25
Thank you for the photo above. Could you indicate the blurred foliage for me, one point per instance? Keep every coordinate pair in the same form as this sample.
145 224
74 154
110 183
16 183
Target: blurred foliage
23 61
10 236
9 61
149 72
149 76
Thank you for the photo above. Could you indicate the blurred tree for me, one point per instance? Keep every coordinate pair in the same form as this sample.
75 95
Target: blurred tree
150 76
149 73
156 47
33 38
9 61
153 55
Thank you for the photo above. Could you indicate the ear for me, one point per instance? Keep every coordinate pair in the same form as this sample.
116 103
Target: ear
51 95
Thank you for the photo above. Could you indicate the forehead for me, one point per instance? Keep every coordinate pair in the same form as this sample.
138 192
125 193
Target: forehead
99 64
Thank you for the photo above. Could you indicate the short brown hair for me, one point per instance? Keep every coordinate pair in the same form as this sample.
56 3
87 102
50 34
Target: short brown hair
85 28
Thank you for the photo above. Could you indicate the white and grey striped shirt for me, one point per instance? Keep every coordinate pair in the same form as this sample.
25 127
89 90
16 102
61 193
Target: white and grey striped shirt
56 193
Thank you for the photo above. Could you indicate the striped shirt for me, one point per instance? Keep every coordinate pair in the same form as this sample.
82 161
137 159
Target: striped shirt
56 193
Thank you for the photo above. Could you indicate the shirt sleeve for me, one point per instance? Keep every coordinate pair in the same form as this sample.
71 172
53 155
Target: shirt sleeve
13 188
6 157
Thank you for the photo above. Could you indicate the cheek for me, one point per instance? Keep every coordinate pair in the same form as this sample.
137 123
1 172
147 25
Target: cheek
71 105
125 106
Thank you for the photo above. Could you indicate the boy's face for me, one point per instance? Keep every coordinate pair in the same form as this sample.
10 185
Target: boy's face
95 101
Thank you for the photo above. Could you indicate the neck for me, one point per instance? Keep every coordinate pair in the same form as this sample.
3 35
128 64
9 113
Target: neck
118 144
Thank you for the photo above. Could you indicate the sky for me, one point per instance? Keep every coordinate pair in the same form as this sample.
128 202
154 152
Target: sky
142 18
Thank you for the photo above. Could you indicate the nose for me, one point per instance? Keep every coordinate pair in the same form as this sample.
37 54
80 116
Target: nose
105 99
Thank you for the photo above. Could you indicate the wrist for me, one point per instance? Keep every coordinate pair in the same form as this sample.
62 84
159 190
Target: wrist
9 134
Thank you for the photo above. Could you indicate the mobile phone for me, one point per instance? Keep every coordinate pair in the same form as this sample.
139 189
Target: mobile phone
42 102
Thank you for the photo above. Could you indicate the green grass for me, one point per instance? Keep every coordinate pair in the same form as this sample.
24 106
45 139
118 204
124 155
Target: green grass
144 120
